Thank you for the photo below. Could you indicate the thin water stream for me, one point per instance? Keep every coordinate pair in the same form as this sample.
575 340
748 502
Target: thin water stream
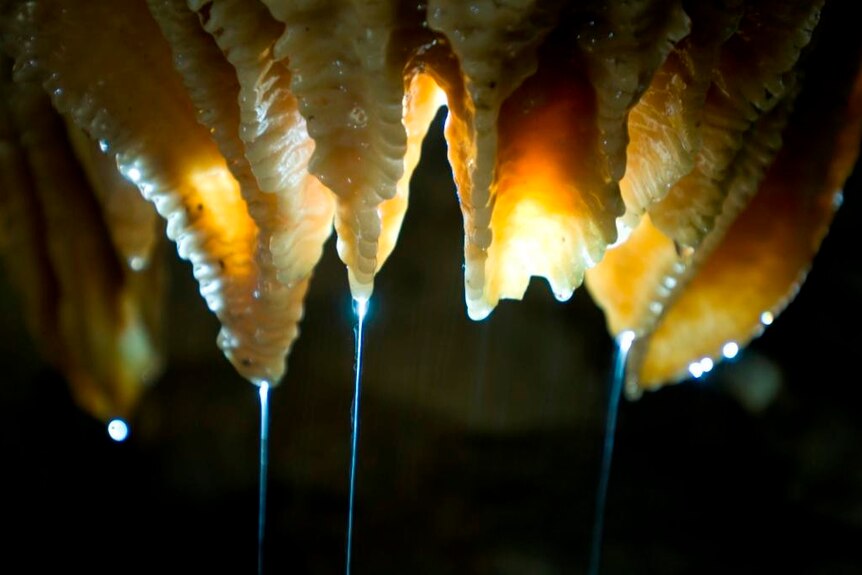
360 308
623 345
263 391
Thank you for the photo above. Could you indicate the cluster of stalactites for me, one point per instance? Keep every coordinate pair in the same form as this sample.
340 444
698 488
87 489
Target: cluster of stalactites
253 126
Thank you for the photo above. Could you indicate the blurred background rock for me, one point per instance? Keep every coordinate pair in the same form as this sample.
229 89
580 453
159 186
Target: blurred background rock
480 442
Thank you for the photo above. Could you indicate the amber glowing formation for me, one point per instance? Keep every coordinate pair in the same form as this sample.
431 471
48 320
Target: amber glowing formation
682 158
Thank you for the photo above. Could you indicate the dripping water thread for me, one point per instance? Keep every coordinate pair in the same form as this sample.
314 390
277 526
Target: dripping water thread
623 345
263 391
360 307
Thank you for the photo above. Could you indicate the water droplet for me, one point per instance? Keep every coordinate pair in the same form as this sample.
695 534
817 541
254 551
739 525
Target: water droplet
118 430
358 117
103 145
625 340
766 318
133 174
838 200
564 295
730 350
137 263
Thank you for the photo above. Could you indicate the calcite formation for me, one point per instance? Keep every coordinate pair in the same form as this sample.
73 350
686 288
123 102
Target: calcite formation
683 157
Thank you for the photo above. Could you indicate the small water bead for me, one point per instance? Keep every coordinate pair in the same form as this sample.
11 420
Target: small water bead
118 430
730 350
564 295
133 174
838 200
625 340
699 368
137 263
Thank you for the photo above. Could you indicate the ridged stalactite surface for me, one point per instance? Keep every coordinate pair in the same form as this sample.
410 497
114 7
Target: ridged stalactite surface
780 135
350 88
130 97
753 73
97 327
665 125
640 144
131 221
268 323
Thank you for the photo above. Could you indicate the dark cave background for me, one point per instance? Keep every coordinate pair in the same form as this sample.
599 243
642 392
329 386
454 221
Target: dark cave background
480 442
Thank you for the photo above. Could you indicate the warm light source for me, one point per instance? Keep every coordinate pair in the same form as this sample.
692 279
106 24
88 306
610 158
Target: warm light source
222 203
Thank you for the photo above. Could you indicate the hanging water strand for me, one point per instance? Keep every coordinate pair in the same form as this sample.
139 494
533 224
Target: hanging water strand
360 307
623 344
264 464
